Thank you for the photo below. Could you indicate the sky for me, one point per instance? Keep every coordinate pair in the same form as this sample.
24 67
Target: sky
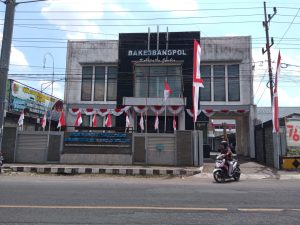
42 29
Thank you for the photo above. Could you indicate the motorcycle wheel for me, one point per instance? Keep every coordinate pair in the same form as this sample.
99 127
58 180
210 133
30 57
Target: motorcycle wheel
219 176
237 174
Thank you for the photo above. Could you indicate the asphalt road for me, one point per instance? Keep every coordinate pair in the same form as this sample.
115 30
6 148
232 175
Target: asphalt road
26 199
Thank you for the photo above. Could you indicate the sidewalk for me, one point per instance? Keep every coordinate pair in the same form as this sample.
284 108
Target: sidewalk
250 170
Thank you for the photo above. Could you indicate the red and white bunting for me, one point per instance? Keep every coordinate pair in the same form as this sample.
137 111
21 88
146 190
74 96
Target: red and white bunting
127 120
142 122
108 121
208 112
89 111
78 120
126 108
156 123
95 124
116 112
157 109
61 121
44 120
174 122
275 98
197 80
75 111
174 109
103 112
140 109
191 112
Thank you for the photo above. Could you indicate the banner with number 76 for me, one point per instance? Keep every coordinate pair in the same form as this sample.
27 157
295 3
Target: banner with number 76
292 133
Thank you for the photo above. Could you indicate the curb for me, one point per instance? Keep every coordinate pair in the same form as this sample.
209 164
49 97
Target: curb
101 170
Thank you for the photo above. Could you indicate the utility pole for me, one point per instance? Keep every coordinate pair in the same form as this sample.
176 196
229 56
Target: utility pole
268 46
5 54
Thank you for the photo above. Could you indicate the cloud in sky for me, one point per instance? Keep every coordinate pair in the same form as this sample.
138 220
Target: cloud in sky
175 5
84 14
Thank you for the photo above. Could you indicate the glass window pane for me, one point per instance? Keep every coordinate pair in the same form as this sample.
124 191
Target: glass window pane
205 93
175 80
156 81
219 83
112 74
99 83
233 82
86 83
140 85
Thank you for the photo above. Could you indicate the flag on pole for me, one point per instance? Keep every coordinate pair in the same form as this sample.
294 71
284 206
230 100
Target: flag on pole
174 122
156 123
61 121
108 120
167 91
275 98
142 122
44 121
78 120
197 81
95 120
21 119
127 121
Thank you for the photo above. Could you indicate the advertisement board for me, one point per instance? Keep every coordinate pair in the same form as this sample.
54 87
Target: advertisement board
35 101
292 134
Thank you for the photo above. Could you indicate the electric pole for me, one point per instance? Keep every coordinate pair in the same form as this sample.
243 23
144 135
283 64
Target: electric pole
268 46
5 55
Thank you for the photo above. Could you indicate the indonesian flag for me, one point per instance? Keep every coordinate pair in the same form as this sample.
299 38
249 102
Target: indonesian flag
108 120
61 121
275 97
78 120
167 91
127 121
21 119
95 120
142 122
174 122
156 123
197 81
44 121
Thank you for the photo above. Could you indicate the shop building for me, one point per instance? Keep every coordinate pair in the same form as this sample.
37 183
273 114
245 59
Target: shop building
126 77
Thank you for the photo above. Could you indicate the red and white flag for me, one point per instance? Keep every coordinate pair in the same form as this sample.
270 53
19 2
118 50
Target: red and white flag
197 81
127 121
167 91
108 120
275 98
61 121
78 120
44 121
156 123
21 119
95 120
142 122
174 122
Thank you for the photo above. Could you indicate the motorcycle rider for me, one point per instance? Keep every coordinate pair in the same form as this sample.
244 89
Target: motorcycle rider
228 156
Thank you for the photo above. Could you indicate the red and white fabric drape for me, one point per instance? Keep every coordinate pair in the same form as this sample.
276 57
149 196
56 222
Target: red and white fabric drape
157 109
175 109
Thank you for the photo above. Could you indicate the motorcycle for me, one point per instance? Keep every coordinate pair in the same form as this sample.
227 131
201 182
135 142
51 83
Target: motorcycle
221 170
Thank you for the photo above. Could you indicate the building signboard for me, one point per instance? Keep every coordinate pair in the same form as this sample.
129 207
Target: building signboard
292 134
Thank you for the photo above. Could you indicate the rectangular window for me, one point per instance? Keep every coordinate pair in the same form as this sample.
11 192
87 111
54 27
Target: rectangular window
205 93
86 83
219 83
99 85
112 75
104 81
149 80
233 73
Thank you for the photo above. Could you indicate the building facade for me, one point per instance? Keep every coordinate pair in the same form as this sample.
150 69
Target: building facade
127 77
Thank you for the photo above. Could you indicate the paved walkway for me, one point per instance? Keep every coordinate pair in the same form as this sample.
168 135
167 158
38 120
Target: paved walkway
250 170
